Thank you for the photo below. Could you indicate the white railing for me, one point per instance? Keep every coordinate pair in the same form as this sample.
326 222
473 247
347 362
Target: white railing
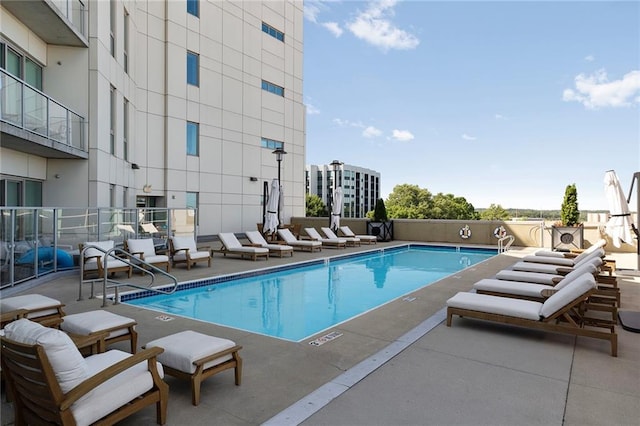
505 242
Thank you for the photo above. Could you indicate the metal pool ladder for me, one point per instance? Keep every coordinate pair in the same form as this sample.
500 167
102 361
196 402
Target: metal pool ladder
505 242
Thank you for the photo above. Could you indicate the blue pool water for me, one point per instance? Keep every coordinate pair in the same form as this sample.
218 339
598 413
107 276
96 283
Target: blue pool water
298 302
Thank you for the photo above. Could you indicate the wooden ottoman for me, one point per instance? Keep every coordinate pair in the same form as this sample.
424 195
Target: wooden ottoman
196 356
39 308
88 323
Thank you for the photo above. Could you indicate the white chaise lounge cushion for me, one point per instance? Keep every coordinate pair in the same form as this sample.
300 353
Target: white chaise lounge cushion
598 244
328 232
66 361
553 269
549 279
517 288
115 392
496 305
314 235
288 238
231 243
183 348
30 302
349 233
564 296
256 238
599 252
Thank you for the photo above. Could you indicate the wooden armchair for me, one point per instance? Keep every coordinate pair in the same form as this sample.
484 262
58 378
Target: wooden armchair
93 260
184 250
50 382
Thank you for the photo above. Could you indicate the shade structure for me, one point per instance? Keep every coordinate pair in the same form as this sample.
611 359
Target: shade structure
336 208
271 217
619 225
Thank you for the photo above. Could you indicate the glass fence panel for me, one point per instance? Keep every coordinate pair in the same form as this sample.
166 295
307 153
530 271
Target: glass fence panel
35 111
75 131
183 222
58 122
10 99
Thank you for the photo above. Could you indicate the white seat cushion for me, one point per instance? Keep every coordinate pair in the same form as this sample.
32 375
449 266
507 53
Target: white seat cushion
180 243
542 268
68 364
570 292
525 276
511 287
192 254
115 392
92 264
496 305
30 302
278 247
552 260
183 348
142 245
90 322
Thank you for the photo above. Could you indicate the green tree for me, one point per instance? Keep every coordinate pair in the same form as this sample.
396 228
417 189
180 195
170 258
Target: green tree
315 206
448 206
495 212
409 202
380 211
569 214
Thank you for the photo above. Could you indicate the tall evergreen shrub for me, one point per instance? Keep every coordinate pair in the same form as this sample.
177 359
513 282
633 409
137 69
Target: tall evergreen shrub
569 214
380 212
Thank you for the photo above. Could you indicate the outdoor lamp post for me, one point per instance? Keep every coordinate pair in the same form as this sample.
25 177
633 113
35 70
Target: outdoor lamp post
335 164
280 153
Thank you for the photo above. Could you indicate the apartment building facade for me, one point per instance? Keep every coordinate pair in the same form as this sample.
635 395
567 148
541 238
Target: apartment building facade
360 186
152 103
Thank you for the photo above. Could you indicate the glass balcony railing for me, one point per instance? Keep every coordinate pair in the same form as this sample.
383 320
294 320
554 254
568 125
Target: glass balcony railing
30 109
74 11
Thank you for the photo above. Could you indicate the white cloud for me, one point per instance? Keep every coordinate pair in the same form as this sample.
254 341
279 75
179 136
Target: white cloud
333 28
596 91
500 117
371 132
374 26
347 123
311 9
467 137
312 110
402 135
589 58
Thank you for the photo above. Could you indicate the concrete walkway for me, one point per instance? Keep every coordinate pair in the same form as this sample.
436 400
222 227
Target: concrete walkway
399 365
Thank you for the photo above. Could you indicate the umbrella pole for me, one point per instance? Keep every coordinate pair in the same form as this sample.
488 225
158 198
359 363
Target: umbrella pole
265 198
636 179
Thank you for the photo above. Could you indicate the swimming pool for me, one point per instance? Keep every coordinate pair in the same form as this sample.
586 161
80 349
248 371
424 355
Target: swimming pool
298 301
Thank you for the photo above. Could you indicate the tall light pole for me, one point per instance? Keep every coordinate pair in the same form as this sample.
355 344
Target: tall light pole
336 165
280 153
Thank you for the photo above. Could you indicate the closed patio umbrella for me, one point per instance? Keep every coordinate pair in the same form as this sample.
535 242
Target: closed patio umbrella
619 225
271 217
336 208
281 206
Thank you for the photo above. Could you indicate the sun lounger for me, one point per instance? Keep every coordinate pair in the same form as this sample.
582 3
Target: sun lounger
351 241
258 240
303 245
544 278
572 254
560 313
553 268
327 242
231 245
369 239
563 261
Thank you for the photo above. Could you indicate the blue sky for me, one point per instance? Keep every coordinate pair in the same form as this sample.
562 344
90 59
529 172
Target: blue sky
498 102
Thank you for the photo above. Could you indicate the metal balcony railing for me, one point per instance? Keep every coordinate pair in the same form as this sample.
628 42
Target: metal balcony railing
28 108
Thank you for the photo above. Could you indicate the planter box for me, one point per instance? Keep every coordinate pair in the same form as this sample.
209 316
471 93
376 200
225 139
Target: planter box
567 237
382 230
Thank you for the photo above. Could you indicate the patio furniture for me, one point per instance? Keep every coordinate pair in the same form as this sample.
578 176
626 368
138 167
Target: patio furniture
195 356
118 328
258 240
303 245
50 382
184 250
562 260
369 239
94 258
549 268
573 253
559 313
326 242
144 249
37 307
351 241
231 245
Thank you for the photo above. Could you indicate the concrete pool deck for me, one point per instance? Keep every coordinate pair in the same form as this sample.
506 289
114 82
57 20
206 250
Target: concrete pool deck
385 370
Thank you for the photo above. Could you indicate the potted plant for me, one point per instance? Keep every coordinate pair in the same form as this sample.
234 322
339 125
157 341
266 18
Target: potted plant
380 226
569 233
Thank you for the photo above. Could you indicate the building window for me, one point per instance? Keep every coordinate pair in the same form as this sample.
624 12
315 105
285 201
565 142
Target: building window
193 7
125 129
126 42
192 69
20 66
273 88
112 195
271 144
112 122
193 145
112 28
266 28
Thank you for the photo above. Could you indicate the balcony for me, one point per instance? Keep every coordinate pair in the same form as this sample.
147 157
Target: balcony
59 22
33 122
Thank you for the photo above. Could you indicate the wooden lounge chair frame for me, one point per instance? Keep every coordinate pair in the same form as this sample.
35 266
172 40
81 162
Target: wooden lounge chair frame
188 259
140 255
280 250
296 243
253 255
567 320
38 398
326 242
100 267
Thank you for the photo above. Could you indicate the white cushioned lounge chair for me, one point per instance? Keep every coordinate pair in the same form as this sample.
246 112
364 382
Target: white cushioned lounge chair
369 239
95 261
563 261
184 250
351 241
303 245
258 240
572 254
50 382
314 235
549 268
144 249
231 245
560 313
